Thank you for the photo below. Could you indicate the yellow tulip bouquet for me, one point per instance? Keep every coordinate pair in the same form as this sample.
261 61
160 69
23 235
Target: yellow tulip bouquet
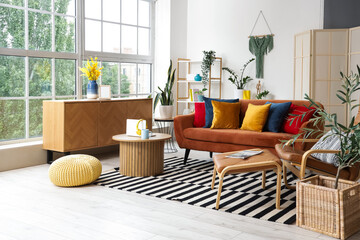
92 71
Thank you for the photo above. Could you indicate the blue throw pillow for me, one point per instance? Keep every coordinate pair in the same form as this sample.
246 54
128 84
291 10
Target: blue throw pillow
277 114
209 114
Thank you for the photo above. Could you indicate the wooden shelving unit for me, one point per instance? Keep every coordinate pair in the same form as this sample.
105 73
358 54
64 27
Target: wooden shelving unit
184 82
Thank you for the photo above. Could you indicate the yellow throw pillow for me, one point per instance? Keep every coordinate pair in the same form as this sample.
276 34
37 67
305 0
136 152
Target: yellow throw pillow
226 115
255 117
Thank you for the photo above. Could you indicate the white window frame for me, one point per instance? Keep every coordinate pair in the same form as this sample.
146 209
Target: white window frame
79 56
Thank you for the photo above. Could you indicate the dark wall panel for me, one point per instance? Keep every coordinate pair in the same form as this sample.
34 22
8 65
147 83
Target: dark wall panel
341 13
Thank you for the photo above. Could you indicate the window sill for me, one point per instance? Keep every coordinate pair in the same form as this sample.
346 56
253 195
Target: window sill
10 145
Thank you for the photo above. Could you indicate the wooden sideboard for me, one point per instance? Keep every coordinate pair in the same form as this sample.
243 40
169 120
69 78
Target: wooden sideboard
71 125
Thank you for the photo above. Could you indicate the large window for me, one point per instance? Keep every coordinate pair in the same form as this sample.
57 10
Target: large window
44 42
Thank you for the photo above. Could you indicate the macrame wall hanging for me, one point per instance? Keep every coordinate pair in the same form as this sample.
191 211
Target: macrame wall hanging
259 45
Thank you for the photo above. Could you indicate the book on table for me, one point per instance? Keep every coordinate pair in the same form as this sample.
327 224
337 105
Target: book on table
244 154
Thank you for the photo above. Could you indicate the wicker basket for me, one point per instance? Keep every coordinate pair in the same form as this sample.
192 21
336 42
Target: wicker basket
323 209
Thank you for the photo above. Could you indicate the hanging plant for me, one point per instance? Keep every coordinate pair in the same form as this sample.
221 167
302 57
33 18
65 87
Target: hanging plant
208 60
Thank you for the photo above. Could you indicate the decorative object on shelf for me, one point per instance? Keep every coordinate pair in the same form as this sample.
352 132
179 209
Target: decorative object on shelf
197 78
200 95
260 94
104 92
239 82
348 134
260 45
246 94
165 96
196 94
92 71
208 60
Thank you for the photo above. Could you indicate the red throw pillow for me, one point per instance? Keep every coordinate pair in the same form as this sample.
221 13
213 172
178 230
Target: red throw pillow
298 121
199 120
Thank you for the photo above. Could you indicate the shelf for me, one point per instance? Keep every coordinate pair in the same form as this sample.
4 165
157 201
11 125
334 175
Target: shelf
185 101
195 61
193 81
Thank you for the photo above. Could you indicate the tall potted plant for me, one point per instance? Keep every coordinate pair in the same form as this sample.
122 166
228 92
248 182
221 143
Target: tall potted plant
165 96
208 60
339 215
239 81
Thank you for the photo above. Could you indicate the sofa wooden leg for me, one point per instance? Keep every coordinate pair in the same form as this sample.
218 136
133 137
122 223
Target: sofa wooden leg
211 154
187 151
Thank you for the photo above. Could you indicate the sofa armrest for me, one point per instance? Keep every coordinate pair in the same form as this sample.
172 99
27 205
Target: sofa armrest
181 122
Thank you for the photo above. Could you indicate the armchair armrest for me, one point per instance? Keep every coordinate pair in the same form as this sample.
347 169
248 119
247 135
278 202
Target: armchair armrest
292 141
181 122
307 154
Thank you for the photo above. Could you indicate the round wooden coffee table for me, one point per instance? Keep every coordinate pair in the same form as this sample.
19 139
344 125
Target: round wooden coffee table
140 158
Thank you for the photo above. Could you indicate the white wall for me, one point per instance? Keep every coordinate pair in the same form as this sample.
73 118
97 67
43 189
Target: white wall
224 26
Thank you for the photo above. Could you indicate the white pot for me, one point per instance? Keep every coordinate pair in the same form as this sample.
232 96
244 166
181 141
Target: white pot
238 93
166 111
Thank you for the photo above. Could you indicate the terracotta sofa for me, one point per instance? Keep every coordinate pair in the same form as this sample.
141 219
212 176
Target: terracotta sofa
226 140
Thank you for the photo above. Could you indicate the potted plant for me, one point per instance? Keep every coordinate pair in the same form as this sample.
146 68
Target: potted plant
165 95
262 94
92 71
339 214
208 60
239 82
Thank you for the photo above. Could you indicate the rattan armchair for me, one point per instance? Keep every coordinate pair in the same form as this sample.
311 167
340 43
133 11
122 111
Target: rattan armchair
298 161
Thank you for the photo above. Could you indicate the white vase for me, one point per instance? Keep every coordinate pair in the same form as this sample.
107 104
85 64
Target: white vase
238 93
166 111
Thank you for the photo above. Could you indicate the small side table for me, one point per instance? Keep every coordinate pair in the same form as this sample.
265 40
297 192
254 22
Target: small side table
141 158
166 126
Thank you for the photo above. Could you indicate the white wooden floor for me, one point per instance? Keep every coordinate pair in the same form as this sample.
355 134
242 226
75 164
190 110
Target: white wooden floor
31 207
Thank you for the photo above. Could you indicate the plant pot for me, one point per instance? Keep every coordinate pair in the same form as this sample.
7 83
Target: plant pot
200 98
92 90
323 209
166 111
238 93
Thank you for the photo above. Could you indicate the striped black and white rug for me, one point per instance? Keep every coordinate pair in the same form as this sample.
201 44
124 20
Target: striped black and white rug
191 184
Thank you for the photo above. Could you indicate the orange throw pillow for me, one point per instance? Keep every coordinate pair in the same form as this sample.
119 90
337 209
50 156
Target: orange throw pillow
226 115
255 117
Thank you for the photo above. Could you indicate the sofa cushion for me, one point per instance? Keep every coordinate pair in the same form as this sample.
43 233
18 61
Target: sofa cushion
226 115
276 117
295 118
255 117
209 109
236 136
199 118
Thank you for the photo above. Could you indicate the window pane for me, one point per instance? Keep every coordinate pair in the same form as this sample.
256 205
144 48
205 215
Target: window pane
128 78
12 76
111 39
64 34
39 77
39 31
128 40
12 119
67 7
144 13
111 10
144 41
129 11
93 9
12 25
35 117
92 35
13 2
41 5
85 81
64 77
110 75
144 78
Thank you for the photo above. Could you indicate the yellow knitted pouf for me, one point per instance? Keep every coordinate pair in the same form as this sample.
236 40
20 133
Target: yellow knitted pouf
75 170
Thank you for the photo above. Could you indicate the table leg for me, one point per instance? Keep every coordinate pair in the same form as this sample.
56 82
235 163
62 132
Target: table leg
278 187
263 184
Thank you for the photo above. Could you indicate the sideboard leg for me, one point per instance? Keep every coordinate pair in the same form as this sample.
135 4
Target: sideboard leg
49 156
211 154
67 153
187 151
